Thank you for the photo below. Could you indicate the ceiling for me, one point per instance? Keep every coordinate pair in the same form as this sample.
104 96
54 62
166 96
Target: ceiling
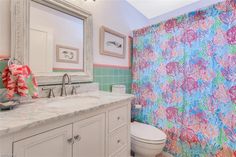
154 8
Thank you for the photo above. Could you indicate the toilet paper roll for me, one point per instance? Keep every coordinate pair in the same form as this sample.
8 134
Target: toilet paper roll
118 89
138 106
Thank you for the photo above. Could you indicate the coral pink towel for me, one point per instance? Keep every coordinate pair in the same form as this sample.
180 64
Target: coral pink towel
18 79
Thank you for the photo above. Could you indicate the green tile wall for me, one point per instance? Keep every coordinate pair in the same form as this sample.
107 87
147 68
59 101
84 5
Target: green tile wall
107 76
2 66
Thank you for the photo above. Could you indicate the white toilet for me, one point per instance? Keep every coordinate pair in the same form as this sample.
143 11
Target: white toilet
146 140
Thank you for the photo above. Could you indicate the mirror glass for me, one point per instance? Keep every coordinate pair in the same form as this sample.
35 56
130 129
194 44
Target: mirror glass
56 41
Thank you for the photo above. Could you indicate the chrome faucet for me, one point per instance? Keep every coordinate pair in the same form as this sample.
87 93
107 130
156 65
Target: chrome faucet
50 93
63 88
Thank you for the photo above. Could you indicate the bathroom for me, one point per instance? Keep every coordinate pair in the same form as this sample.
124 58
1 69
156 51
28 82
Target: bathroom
118 78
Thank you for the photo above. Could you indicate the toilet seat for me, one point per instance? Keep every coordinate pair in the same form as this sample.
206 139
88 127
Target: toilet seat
148 141
147 133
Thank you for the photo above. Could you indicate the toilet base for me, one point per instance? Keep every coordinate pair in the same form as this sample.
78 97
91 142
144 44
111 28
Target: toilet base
146 150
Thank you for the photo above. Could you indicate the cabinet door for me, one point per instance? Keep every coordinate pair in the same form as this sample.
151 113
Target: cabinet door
52 143
89 135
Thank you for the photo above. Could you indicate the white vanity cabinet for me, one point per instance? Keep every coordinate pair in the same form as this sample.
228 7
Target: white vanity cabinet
49 144
100 132
86 139
89 137
118 124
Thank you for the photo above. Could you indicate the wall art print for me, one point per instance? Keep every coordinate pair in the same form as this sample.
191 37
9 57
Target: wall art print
112 43
66 54
184 76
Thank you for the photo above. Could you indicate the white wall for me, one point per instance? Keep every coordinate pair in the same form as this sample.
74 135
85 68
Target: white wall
115 14
186 9
118 15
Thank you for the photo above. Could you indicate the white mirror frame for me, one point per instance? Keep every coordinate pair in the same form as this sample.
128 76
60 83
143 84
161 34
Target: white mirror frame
20 24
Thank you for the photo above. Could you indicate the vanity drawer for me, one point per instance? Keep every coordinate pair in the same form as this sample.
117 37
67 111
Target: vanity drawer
118 140
117 118
122 153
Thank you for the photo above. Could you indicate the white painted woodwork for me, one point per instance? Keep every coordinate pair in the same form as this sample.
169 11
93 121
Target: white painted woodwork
41 48
122 153
117 118
20 30
95 139
91 141
118 140
49 144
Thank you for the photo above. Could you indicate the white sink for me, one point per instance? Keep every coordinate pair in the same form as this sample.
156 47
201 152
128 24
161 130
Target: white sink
73 100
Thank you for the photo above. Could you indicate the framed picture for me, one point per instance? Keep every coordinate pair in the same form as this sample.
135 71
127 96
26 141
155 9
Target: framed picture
112 43
66 54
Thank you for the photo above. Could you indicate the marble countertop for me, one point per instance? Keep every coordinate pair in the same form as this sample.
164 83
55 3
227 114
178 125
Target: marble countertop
44 110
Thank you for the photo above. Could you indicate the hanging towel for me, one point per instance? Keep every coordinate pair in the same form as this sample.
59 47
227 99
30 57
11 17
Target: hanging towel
18 79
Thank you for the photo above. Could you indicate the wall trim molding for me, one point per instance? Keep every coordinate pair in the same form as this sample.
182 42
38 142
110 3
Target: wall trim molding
4 56
80 69
111 66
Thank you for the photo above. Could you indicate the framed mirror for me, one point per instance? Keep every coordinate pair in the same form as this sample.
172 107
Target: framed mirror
53 37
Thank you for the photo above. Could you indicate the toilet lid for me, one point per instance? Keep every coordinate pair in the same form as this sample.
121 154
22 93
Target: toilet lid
147 132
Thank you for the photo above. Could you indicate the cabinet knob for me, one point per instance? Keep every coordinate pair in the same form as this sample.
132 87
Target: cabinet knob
77 137
118 141
118 118
70 141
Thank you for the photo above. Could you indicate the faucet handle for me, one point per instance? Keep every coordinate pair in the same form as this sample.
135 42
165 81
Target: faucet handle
74 90
50 93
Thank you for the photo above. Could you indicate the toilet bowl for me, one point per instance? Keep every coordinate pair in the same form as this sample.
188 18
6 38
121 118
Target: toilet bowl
146 140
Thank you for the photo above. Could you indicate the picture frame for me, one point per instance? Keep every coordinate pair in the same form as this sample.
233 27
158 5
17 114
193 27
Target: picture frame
112 43
67 54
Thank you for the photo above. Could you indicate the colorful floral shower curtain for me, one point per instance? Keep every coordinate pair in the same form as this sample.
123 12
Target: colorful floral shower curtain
184 76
